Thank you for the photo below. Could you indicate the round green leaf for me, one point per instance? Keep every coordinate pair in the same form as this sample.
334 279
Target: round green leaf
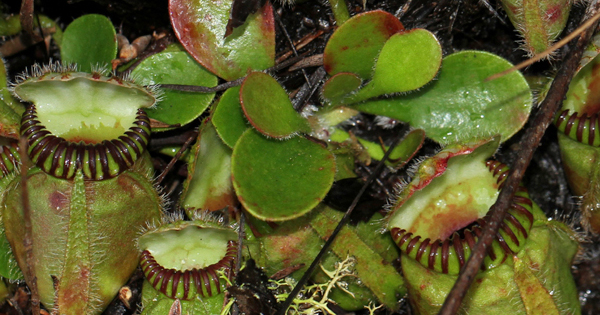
407 62
176 107
228 118
339 86
200 27
355 44
280 180
268 108
90 41
461 105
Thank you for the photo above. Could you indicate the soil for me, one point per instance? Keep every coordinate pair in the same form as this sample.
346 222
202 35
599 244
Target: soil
458 24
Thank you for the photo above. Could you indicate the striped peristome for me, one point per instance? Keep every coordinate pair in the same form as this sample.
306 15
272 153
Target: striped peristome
449 255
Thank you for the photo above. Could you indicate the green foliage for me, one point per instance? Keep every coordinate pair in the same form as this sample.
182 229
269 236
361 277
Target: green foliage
296 173
461 104
89 52
255 150
176 107
268 107
200 27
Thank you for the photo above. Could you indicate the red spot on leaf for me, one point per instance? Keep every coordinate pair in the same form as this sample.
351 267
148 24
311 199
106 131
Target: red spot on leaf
554 13
58 201
392 25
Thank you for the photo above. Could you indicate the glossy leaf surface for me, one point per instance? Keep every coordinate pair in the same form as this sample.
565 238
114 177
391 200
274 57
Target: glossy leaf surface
460 104
355 44
89 51
176 107
280 180
200 27
268 108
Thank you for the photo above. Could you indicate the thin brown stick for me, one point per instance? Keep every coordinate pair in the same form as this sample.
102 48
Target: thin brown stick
530 142
26 19
290 42
28 239
178 155
548 51
23 41
300 44
312 61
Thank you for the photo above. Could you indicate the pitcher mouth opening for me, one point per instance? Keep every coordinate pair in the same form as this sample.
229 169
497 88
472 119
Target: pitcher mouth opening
98 160
189 259
450 254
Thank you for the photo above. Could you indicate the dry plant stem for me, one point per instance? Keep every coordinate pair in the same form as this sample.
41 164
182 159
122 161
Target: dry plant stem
308 89
403 9
300 44
28 240
288 301
530 142
179 139
486 4
291 42
23 41
26 18
229 84
312 61
179 153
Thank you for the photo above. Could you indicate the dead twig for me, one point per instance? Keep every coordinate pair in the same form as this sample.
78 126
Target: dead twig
300 44
26 18
23 41
312 61
530 142
308 89
289 39
178 155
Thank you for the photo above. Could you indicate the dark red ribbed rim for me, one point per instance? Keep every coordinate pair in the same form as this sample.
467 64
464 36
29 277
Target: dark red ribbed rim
186 284
448 256
580 127
61 158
